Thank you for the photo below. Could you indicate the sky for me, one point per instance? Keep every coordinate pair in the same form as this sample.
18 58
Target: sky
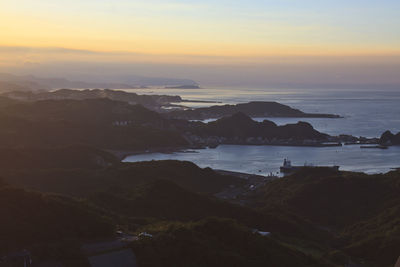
205 35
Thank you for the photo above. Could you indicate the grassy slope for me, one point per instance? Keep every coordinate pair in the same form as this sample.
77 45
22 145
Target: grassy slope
30 217
362 210
215 242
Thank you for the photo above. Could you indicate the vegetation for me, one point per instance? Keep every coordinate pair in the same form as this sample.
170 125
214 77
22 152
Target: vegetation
30 218
123 177
55 158
97 122
214 242
361 210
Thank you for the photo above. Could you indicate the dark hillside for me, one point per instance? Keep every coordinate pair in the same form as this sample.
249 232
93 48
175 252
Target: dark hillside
29 217
215 242
122 177
240 125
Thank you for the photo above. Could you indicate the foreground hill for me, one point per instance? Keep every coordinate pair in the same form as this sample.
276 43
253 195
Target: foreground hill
317 217
30 218
123 177
252 109
82 157
164 200
215 242
362 209
158 190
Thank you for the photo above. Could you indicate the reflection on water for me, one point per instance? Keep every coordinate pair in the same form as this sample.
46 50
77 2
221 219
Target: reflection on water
266 159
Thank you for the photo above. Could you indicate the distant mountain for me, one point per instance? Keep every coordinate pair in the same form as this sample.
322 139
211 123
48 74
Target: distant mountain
155 81
37 83
183 87
34 83
154 102
21 86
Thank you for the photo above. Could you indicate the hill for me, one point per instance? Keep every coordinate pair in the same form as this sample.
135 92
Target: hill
241 129
164 200
9 87
154 102
252 109
117 125
361 209
215 242
96 122
30 218
388 138
55 158
123 177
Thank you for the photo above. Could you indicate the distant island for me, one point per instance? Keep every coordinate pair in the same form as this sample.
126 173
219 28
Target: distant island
252 109
34 83
183 87
388 138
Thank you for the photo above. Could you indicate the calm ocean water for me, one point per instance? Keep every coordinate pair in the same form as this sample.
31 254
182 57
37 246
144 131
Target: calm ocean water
365 114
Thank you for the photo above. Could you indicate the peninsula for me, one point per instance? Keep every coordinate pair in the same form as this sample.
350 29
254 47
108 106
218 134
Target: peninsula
252 109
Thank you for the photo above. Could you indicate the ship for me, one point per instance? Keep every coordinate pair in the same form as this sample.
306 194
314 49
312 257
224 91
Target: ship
288 168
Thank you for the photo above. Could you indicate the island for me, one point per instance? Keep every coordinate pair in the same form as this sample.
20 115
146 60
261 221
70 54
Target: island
389 139
240 129
153 102
183 87
252 109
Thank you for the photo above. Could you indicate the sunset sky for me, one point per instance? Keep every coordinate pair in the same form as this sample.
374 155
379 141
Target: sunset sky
197 32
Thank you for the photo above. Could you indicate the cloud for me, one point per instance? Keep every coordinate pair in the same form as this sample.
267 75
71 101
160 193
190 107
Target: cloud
58 50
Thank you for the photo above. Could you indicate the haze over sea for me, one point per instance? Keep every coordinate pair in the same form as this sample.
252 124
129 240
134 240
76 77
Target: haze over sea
366 113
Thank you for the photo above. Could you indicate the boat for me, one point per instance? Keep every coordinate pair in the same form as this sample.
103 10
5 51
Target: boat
288 168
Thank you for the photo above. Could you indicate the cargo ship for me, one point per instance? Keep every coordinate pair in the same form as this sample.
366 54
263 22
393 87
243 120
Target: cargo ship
288 168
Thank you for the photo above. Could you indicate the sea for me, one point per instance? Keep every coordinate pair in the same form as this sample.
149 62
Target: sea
365 113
